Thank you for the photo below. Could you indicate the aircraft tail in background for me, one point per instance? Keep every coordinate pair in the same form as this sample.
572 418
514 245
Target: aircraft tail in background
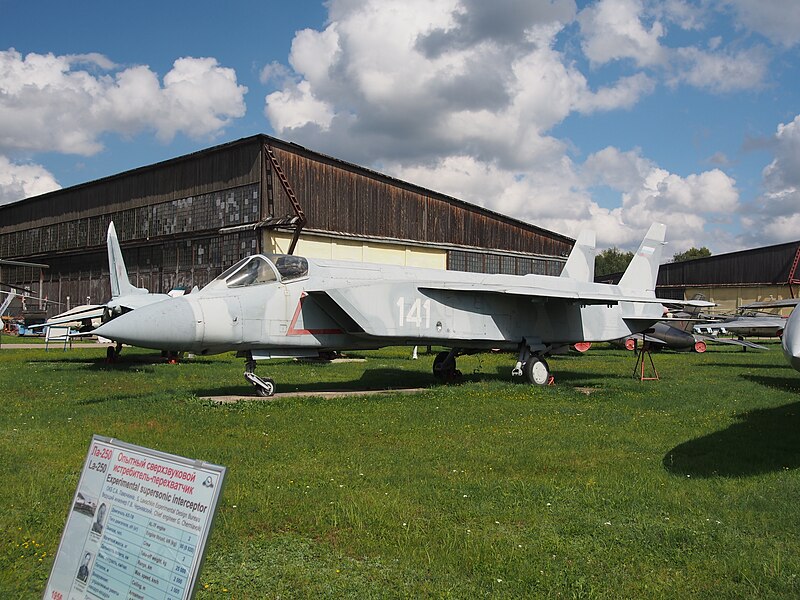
580 264
120 284
642 273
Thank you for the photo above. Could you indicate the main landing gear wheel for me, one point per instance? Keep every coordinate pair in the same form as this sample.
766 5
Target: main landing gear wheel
112 353
536 371
444 367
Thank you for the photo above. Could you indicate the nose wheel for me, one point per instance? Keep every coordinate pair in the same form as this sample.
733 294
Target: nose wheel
265 387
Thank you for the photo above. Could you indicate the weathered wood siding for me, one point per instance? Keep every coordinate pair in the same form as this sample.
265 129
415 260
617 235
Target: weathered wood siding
337 196
168 218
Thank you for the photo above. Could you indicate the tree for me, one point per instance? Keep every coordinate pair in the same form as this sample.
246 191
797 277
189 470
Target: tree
691 254
611 260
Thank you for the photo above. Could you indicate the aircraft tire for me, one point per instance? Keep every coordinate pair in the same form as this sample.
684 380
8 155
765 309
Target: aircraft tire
443 371
536 371
267 391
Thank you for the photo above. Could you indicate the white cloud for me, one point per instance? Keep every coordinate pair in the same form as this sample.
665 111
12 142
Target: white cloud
778 20
466 105
18 181
775 216
649 193
48 104
686 14
613 30
389 81
296 106
720 71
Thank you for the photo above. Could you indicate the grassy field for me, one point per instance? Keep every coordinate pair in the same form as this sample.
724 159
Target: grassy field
601 486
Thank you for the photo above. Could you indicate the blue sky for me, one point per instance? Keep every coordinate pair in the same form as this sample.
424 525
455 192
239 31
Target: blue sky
608 114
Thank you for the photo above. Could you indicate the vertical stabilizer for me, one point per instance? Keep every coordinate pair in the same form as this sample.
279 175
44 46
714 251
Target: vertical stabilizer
120 284
580 264
642 273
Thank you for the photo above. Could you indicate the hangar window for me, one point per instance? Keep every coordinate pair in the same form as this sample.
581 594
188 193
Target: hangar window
255 271
485 262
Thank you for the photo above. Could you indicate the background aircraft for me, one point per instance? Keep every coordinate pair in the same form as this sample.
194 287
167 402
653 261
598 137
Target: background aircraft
281 306
790 340
744 325
125 296
665 334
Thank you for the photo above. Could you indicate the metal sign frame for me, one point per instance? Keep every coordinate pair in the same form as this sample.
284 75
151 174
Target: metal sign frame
138 525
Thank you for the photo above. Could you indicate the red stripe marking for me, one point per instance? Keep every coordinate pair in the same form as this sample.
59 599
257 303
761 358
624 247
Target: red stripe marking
293 331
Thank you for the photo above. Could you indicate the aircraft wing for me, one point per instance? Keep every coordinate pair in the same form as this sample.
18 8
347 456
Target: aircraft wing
81 313
542 293
773 303
733 326
96 311
733 342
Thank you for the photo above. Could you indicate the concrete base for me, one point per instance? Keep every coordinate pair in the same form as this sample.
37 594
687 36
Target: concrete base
330 394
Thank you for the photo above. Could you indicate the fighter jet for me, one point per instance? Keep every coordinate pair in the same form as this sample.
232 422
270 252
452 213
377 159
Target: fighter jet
283 306
674 334
125 296
745 325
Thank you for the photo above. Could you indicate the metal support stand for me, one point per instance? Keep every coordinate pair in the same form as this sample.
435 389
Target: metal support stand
639 369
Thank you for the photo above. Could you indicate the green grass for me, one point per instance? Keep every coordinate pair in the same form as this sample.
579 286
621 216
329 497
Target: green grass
21 339
685 487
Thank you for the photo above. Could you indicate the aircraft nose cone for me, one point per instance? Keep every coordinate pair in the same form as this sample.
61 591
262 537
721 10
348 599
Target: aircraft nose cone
791 339
165 325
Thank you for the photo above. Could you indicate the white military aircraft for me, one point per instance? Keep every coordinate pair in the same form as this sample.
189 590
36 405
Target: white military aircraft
790 341
283 306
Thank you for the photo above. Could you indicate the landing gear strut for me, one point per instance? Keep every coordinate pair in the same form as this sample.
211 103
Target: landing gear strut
265 386
113 352
444 366
533 366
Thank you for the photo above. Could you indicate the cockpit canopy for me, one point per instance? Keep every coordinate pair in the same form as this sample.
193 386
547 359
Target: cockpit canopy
260 269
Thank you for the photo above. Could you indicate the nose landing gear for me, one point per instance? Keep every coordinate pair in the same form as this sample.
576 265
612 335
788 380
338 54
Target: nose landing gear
265 387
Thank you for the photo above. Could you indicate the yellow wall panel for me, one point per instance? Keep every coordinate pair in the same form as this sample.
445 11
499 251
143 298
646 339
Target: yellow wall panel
355 250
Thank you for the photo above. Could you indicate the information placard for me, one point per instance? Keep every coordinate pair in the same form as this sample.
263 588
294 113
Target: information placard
137 527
